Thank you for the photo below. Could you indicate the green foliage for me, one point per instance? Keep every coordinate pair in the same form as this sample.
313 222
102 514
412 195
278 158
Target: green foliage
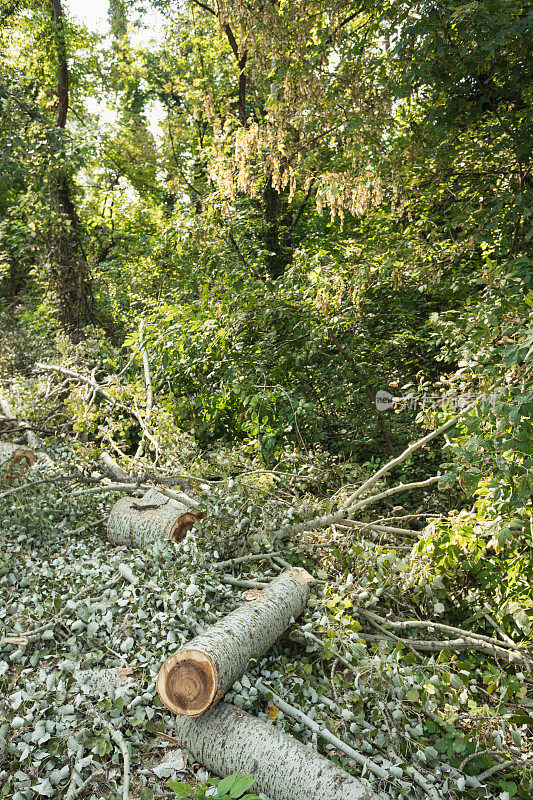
234 786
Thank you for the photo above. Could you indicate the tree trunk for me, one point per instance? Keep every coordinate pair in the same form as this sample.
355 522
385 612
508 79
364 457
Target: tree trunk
152 520
200 674
227 740
69 271
14 461
277 239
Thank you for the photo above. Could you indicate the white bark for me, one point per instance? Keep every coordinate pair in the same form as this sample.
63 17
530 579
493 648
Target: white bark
114 469
7 409
150 521
227 740
14 460
198 675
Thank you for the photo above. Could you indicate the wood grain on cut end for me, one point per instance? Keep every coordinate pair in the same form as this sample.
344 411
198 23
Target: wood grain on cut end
183 525
303 576
14 460
8 426
188 683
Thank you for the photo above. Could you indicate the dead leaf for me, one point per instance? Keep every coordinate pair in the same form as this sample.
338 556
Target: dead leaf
124 672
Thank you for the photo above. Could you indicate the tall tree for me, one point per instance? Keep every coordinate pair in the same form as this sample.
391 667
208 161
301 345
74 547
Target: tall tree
69 269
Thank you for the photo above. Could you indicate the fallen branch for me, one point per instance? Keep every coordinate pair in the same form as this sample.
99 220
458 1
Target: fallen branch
322 731
407 453
328 736
477 754
340 516
7 409
134 485
240 583
474 641
121 742
437 626
86 783
436 646
114 469
373 526
102 392
496 768
232 562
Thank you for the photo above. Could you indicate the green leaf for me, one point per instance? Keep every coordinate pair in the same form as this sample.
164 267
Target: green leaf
225 785
241 786
181 789
413 695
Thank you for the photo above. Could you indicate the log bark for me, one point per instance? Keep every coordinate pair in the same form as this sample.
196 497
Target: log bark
32 439
227 740
150 521
200 674
114 468
14 460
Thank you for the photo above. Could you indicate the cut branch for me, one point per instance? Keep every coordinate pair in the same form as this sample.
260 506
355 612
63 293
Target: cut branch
198 675
227 740
340 516
407 453
14 461
150 521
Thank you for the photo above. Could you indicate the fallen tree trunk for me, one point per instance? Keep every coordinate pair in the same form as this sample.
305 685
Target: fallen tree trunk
200 674
15 459
151 520
227 740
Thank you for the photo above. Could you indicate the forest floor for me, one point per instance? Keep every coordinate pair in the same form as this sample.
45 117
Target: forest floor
432 710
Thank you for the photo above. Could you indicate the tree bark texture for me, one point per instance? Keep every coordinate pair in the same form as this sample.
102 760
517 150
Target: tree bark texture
69 271
150 521
200 674
15 459
227 740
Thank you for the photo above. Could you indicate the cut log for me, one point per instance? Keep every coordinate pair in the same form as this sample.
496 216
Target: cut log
200 674
150 521
8 427
14 460
114 468
226 740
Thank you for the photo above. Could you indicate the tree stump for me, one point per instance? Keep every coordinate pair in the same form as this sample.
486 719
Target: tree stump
227 740
200 674
150 521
